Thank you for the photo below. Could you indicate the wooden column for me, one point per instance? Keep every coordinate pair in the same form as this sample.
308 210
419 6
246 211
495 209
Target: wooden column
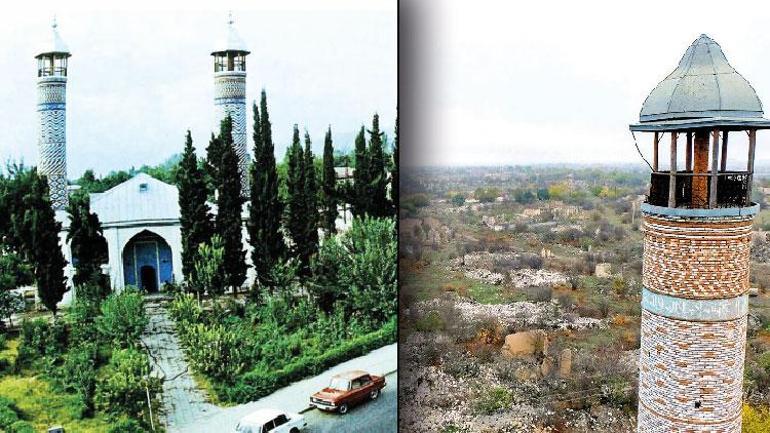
700 166
656 140
750 163
688 153
672 173
723 164
714 168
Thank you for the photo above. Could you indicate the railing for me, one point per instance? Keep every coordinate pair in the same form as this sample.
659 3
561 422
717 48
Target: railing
50 72
732 189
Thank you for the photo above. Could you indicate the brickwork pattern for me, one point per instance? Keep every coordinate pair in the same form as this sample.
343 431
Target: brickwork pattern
230 99
697 258
52 137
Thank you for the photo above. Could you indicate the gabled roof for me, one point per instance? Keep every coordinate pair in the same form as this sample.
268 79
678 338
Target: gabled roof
231 40
703 91
140 199
54 44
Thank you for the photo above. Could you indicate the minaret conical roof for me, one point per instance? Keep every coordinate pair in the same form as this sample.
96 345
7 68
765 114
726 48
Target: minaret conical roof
231 40
703 85
54 44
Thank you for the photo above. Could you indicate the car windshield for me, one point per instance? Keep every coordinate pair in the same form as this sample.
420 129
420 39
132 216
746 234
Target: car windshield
243 429
339 384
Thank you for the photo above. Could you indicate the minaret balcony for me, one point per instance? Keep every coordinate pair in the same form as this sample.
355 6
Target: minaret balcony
733 189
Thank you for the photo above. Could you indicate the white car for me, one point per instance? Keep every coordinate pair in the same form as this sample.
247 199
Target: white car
271 420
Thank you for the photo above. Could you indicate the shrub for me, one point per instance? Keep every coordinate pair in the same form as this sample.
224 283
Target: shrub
458 365
21 427
493 400
215 350
123 386
432 321
7 416
262 381
755 419
40 338
538 294
79 373
123 319
126 425
185 309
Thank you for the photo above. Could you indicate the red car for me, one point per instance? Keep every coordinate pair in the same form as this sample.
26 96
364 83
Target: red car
348 389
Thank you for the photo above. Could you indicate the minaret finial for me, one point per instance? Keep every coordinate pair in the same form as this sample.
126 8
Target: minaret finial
55 24
230 18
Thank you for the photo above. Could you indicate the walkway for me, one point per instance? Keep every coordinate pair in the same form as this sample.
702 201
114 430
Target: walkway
183 402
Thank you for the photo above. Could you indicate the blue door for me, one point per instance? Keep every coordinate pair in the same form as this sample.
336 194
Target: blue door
147 262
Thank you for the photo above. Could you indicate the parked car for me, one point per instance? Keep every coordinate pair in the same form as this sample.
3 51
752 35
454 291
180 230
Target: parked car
271 420
348 389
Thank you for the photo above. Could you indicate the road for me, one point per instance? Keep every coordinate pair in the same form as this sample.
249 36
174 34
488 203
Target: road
377 416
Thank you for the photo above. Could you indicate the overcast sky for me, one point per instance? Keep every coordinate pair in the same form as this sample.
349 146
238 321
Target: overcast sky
141 74
521 82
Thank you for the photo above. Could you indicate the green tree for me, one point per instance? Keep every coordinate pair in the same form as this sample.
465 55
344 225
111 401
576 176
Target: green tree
377 196
296 222
14 272
394 173
228 222
358 196
42 244
89 248
310 247
195 217
458 199
329 188
266 207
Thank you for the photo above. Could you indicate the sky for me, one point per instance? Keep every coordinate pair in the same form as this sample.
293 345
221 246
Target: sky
141 73
499 83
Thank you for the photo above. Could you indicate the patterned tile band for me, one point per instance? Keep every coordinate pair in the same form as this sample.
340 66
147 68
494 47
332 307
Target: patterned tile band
52 137
230 99
699 310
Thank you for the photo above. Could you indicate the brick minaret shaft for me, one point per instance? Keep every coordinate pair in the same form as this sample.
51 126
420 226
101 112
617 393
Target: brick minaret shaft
695 296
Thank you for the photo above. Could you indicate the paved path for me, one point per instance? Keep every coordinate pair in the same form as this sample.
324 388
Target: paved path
183 402
378 416
294 398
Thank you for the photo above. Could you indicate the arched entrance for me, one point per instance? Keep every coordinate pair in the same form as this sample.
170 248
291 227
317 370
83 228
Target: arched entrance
147 262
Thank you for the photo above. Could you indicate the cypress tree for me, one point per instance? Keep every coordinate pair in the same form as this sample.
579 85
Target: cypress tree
310 248
228 221
379 206
43 244
213 160
265 209
394 173
329 187
295 186
88 245
195 216
359 195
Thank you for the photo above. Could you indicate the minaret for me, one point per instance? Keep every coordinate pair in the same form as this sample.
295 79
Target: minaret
697 234
230 94
51 110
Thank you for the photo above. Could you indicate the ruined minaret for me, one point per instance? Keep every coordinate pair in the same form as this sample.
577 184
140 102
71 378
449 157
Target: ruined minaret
230 94
697 234
51 110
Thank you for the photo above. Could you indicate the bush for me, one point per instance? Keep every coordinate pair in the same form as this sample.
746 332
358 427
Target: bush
430 322
493 400
122 388
21 427
126 426
755 419
79 373
7 416
123 319
40 338
185 308
215 350
262 381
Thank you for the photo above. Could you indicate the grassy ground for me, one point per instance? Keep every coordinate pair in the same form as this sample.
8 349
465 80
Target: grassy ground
40 405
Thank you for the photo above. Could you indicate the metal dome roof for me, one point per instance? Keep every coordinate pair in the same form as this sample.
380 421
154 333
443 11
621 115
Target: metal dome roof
231 41
703 85
54 44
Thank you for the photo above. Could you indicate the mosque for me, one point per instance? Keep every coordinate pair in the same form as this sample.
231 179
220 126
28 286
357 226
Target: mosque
139 217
